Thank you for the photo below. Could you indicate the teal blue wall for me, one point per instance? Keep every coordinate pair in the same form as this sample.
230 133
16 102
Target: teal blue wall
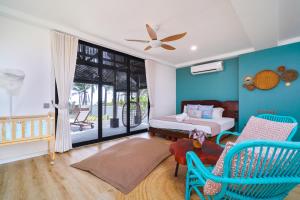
220 85
283 100
227 85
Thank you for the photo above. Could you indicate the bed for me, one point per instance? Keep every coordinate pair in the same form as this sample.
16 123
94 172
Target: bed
172 129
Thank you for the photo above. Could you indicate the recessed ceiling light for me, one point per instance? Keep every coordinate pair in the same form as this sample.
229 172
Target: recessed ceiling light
193 48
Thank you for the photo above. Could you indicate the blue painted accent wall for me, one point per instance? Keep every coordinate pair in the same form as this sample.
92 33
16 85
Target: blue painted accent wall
283 100
227 85
217 86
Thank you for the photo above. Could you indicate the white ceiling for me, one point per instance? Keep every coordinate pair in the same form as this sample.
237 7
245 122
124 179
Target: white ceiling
220 28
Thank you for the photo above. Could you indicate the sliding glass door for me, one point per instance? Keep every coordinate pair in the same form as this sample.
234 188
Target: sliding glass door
114 93
113 106
109 96
83 110
138 96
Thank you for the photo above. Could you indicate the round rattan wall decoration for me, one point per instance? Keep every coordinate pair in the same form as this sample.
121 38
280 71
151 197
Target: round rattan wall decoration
289 75
266 80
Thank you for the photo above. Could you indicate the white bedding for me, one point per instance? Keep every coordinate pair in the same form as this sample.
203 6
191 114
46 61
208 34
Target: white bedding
226 123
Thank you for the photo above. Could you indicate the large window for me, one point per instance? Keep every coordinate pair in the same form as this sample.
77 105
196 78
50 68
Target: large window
109 97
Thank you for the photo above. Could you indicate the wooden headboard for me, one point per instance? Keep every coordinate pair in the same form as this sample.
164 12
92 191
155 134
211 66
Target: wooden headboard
231 108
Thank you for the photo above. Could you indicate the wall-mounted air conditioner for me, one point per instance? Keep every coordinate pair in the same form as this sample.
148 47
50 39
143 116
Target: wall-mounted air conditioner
207 68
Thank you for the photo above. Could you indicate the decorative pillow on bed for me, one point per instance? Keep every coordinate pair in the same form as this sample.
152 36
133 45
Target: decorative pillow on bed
193 111
207 111
263 129
217 113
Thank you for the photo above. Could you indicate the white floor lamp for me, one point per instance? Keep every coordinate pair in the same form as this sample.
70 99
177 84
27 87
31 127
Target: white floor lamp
11 80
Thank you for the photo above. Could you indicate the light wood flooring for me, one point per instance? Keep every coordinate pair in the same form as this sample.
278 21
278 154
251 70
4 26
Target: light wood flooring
36 179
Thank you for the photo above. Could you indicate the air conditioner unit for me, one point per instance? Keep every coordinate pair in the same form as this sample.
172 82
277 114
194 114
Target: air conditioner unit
207 68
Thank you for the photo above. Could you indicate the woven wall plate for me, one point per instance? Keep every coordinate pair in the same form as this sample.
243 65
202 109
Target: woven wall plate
289 75
266 80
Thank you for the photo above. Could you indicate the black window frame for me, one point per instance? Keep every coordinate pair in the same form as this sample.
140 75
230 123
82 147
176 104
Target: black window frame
100 66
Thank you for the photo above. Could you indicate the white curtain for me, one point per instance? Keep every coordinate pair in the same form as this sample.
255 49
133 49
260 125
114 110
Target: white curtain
64 52
150 66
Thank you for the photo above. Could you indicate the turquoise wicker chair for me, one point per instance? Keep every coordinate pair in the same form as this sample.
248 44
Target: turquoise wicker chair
277 173
276 118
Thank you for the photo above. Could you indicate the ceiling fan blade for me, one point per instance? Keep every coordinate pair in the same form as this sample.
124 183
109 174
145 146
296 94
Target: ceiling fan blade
132 40
147 48
168 47
151 32
174 37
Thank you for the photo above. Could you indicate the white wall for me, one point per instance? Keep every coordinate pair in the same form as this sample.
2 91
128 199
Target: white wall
164 90
28 48
25 47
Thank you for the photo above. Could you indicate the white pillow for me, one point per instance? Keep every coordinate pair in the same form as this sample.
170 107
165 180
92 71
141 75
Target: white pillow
184 109
217 113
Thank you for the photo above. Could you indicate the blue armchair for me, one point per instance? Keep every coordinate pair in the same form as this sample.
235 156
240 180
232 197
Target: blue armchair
274 175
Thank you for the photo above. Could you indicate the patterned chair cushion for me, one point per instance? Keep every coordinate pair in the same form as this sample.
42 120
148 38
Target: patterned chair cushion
210 187
263 129
256 128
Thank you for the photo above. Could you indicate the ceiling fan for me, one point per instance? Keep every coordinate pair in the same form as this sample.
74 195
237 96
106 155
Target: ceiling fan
154 42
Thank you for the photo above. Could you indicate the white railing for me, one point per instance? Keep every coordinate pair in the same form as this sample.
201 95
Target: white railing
20 129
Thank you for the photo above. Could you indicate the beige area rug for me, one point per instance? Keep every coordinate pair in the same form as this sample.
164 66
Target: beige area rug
126 164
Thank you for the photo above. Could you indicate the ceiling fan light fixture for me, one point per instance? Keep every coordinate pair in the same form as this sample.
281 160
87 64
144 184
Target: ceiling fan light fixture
154 42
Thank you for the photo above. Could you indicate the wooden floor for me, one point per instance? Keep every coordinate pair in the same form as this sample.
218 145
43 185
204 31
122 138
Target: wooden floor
36 179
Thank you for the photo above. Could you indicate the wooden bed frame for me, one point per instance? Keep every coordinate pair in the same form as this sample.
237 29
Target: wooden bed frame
231 109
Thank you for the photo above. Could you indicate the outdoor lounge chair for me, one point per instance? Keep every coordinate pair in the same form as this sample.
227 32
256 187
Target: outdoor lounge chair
81 119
